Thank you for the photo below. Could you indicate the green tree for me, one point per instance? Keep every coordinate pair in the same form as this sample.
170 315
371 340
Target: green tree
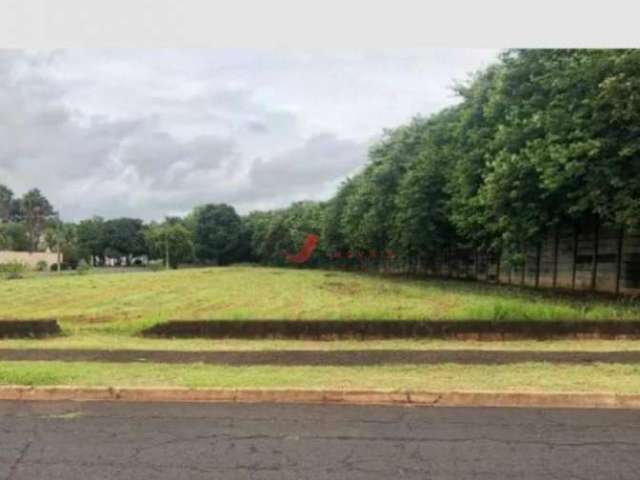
172 238
36 211
91 240
369 211
218 233
333 234
473 130
124 237
6 198
422 222
62 238
16 237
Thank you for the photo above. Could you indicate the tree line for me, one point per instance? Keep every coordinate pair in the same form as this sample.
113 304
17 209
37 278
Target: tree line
539 139
210 234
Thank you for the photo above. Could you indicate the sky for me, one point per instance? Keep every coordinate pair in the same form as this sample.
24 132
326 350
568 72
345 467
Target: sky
152 133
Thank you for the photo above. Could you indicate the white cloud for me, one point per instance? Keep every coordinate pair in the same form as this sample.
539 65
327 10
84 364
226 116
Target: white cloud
152 132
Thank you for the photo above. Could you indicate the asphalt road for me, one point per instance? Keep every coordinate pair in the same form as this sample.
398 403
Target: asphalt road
207 441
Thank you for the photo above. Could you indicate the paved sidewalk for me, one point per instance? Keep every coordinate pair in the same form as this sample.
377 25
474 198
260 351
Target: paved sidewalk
307 357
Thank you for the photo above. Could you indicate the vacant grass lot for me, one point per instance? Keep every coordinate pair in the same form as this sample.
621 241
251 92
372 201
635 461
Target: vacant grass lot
125 303
526 377
107 311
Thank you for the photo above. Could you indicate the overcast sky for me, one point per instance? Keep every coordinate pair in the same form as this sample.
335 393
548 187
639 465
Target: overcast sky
149 133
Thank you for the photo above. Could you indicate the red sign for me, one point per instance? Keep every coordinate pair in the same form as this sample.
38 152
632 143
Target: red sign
310 244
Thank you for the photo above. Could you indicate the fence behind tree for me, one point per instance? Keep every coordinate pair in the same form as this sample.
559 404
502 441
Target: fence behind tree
586 257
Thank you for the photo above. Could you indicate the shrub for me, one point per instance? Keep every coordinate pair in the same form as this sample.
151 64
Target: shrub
41 266
83 268
13 270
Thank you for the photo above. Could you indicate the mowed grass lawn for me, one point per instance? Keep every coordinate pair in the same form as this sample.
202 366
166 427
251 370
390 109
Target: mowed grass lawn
525 377
128 302
107 311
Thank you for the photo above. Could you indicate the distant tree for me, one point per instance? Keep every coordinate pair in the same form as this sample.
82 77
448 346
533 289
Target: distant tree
170 237
256 228
15 211
218 233
91 240
124 237
62 238
36 211
6 197
271 235
15 236
333 234
4 238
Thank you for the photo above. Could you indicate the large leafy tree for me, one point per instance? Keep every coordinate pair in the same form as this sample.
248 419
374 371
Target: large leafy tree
369 211
333 234
170 238
473 130
124 237
15 236
422 224
91 240
566 144
218 233
36 211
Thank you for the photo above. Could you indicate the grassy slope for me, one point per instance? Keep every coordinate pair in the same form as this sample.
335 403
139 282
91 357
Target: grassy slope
125 303
528 377
123 342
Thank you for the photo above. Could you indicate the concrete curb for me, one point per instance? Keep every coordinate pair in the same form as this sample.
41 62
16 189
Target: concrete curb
405 398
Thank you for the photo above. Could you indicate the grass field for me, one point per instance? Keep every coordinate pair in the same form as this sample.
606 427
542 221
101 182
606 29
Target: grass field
526 377
94 341
99 311
123 304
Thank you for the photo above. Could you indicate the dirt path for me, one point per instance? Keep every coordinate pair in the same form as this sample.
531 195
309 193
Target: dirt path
306 357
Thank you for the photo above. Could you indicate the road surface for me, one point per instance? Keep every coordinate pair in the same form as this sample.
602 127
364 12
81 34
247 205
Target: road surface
139 441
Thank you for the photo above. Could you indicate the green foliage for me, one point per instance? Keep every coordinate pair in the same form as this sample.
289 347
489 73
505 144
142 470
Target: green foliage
274 234
13 270
42 266
6 198
170 237
541 138
369 210
421 223
13 236
84 268
35 211
218 233
124 237
91 240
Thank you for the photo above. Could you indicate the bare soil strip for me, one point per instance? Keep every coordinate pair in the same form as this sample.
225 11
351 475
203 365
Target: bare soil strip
322 358
28 328
370 329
